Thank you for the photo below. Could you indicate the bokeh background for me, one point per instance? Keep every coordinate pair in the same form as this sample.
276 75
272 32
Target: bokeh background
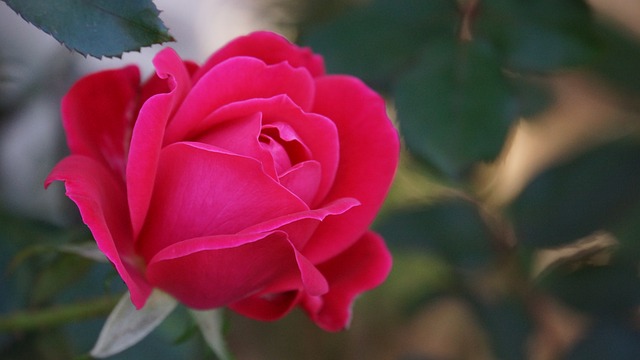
513 218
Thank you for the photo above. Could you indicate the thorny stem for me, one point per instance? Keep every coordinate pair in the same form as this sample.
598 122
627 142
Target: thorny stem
57 315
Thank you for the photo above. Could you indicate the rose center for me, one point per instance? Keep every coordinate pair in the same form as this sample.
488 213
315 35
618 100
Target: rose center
281 141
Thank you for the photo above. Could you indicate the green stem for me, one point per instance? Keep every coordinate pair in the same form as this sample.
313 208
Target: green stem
57 315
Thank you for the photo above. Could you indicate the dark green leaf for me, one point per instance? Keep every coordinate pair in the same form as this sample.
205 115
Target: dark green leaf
508 325
533 96
64 271
378 42
627 232
539 36
608 290
453 228
607 340
574 199
454 107
96 27
618 59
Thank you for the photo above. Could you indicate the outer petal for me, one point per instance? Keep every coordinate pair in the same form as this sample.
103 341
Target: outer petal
268 308
279 298
148 134
238 79
98 113
270 48
369 150
103 206
300 226
203 191
210 272
362 267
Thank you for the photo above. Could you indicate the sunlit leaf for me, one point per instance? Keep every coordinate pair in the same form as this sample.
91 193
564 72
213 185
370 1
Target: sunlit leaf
126 325
210 323
96 27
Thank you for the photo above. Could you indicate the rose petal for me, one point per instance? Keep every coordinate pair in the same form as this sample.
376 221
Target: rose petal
201 190
369 150
240 136
278 299
159 82
267 308
203 273
303 180
234 80
300 226
268 47
102 203
288 139
148 133
98 122
317 132
362 267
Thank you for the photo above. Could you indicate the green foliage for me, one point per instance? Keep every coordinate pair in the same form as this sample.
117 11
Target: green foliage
452 228
64 271
509 325
96 27
575 199
607 340
605 291
461 74
454 105
538 36
377 43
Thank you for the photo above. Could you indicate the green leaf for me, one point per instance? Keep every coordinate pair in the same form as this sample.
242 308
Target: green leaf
618 59
455 108
611 290
574 199
453 228
126 325
627 231
508 325
378 42
63 272
607 340
96 27
538 36
533 96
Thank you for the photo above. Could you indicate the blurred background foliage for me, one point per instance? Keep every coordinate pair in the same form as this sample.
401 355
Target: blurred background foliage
514 218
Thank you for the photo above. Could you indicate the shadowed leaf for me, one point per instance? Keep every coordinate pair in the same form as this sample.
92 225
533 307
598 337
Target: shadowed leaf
572 200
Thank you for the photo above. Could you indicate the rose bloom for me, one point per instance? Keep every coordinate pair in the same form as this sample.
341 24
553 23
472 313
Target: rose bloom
249 182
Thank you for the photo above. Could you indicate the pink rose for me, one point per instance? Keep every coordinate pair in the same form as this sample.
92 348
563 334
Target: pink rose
249 182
